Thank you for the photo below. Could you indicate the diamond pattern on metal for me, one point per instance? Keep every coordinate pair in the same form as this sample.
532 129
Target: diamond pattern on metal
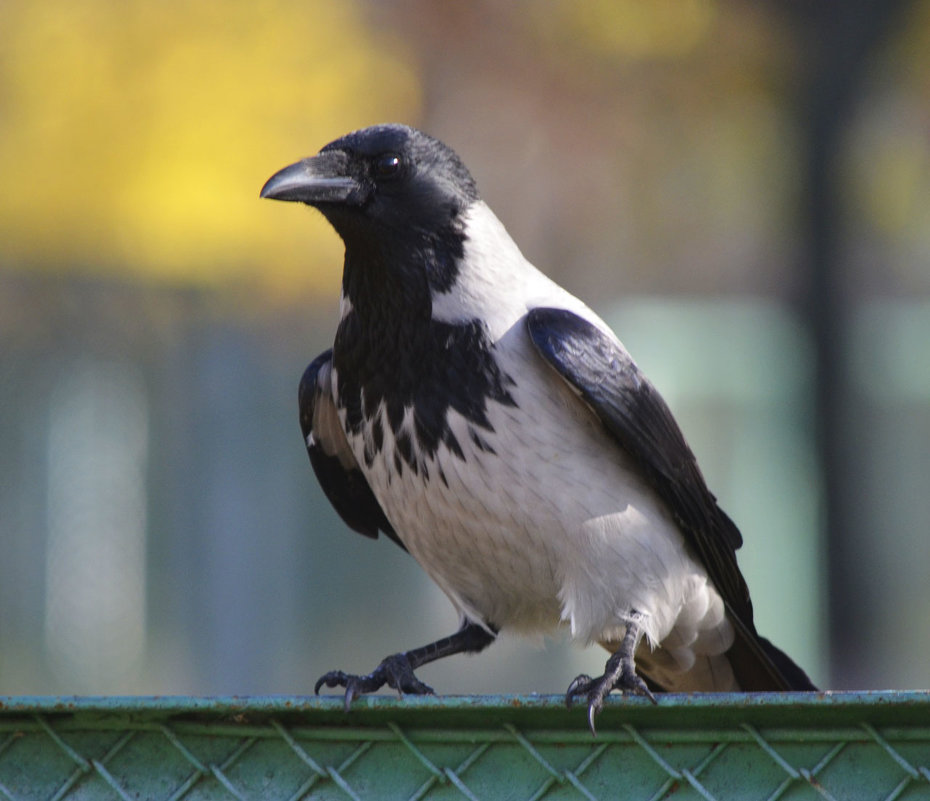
792 747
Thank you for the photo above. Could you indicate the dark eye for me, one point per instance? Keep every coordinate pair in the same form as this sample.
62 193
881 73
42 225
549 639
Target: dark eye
387 165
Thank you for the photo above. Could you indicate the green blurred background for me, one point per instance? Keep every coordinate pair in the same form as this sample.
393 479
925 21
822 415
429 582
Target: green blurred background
741 188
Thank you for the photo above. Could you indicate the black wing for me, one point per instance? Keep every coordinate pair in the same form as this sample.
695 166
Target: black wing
332 459
636 416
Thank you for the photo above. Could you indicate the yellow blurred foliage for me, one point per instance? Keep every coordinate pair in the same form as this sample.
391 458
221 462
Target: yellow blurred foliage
630 30
134 136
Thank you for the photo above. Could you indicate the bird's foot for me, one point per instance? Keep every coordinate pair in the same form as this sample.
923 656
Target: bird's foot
621 676
394 671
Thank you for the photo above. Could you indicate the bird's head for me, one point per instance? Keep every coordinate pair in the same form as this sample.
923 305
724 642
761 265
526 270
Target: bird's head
383 183
418 238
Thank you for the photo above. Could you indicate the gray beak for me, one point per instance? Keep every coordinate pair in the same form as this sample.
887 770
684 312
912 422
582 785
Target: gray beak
320 179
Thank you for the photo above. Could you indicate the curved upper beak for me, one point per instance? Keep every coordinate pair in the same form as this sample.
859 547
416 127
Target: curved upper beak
320 179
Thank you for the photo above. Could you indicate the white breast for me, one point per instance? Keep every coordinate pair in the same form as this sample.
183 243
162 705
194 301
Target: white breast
554 527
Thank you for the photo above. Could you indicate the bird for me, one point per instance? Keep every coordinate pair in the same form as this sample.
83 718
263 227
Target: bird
493 426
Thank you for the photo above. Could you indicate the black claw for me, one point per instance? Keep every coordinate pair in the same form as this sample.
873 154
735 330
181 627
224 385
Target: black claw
394 671
592 713
335 678
619 674
580 686
348 698
639 687
596 690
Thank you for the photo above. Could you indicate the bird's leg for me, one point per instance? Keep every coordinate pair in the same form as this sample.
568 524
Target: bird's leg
396 670
619 674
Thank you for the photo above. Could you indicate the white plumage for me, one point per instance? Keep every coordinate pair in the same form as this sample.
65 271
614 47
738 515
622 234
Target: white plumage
551 526
488 421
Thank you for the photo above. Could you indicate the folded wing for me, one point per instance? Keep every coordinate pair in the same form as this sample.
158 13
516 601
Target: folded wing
331 457
633 413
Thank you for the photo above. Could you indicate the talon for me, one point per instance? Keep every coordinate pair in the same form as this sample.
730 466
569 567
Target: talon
350 696
394 671
335 678
597 690
640 688
619 674
580 685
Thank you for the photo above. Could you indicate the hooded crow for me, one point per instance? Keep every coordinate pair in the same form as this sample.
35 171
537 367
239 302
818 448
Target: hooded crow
493 426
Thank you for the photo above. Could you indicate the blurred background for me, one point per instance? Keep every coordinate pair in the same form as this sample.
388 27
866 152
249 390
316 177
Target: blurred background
741 188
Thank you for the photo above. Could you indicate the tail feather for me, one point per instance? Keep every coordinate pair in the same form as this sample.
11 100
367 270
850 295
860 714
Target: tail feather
752 664
797 679
759 666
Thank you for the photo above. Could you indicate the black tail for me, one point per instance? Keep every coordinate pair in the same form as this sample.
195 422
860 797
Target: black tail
796 678
761 667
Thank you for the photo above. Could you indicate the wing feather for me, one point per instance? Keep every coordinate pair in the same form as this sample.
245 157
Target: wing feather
635 415
332 459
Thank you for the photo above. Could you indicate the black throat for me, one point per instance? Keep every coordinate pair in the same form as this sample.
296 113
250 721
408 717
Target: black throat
389 350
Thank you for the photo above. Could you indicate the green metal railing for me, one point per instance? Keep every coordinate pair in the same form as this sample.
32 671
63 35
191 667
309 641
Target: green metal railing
767 746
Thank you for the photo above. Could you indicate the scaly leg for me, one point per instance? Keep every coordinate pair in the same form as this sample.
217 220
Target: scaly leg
396 670
619 674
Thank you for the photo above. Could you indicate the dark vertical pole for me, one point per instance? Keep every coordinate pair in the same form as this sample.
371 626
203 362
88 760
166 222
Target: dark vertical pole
839 36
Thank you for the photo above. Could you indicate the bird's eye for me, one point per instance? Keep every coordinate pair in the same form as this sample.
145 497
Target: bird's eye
387 165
